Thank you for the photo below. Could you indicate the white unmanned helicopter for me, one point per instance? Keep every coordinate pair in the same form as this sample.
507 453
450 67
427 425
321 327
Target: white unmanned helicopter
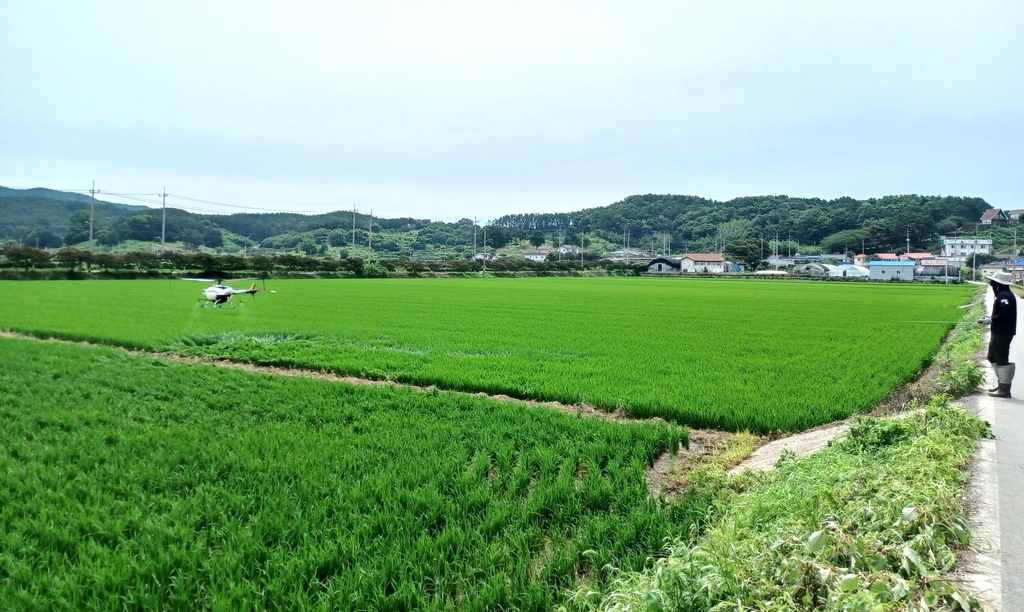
219 295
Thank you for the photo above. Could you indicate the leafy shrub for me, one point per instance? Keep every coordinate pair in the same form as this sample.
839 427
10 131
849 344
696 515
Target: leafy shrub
374 270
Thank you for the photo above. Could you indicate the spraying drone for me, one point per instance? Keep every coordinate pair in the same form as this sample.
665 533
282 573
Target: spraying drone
219 295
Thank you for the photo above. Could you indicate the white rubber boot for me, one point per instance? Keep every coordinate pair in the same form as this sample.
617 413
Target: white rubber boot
1005 375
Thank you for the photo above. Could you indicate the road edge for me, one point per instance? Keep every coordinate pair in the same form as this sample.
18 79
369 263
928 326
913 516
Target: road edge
980 566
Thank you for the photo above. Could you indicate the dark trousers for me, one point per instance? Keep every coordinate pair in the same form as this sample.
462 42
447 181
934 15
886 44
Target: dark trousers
999 350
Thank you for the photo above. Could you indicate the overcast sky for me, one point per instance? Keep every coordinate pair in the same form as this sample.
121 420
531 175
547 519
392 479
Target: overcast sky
458 109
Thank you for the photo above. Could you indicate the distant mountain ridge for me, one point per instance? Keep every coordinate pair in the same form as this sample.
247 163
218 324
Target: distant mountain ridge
52 194
27 212
654 222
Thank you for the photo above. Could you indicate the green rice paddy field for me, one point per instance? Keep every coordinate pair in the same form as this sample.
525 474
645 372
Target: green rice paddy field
131 483
757 355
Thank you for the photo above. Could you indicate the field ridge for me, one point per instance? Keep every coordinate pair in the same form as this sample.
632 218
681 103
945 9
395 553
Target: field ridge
582 410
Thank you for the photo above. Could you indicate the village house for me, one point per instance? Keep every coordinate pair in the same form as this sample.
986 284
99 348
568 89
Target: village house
994 216
703 262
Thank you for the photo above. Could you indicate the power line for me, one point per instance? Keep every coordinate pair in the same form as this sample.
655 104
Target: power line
163 220
92 211
133 198
239 206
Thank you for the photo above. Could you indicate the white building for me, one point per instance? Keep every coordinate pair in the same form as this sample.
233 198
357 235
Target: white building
535 256
959 249
703 262
892 270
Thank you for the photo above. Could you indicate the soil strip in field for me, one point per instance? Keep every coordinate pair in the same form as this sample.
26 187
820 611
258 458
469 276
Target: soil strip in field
805 443
582 410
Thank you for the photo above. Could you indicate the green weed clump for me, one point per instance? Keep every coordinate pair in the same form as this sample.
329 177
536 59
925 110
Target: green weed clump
959 373
868 524
751 355
133 483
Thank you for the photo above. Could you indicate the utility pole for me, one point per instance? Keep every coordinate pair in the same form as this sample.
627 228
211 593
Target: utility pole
1016 255
369 239
485 251
474 237
974 272
908 242
163 220
92 211
559 244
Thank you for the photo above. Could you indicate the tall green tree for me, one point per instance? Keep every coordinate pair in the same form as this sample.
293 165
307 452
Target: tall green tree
25 257
78 227
745 251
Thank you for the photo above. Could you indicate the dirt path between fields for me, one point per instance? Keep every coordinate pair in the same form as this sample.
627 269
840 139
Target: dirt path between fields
583 410
804 443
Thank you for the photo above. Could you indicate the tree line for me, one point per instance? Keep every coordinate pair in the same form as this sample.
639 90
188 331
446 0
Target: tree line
76 261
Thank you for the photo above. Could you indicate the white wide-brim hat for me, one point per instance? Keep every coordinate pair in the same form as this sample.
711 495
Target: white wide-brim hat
1003 278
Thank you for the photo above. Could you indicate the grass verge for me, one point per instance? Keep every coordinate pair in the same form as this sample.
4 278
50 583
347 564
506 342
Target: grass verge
959 374
869 523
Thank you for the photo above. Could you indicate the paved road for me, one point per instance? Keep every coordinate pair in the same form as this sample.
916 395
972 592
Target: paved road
998 488
1009 428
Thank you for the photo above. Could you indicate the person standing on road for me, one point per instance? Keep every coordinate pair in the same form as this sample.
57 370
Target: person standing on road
1004 326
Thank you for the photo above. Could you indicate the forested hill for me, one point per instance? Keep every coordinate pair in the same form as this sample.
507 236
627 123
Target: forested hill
42 192
260 226
50 218
881 223
682 222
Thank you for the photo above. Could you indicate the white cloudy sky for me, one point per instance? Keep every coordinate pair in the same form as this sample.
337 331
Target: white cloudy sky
460 109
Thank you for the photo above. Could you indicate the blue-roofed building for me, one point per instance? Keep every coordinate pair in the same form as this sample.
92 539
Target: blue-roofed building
889 270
